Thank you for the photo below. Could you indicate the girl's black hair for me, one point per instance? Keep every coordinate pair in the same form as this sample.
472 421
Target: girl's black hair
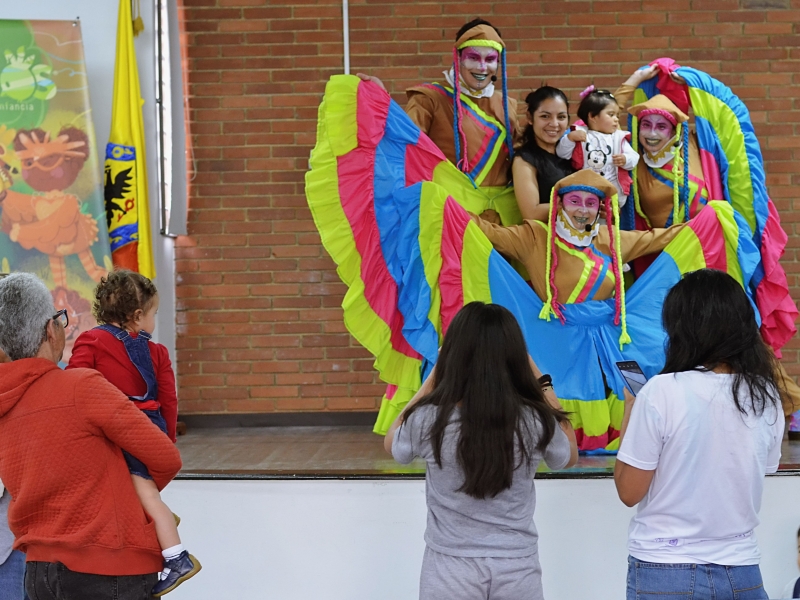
483 369
548 168
594 103
474 23
710 323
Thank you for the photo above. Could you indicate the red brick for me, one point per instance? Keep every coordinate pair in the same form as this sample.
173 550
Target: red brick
259 300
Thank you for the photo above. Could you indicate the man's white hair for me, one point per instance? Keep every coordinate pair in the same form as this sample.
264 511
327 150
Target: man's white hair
26 306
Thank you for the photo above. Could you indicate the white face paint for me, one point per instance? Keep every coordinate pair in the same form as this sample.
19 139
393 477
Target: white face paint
477 65
654 133
581 207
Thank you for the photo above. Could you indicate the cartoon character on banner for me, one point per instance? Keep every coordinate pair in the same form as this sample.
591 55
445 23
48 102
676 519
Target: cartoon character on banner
51 220
22 80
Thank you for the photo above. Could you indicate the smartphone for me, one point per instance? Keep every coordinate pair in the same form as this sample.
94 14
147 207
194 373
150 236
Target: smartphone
633 375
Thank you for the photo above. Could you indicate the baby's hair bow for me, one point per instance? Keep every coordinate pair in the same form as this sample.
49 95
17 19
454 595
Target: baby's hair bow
587 91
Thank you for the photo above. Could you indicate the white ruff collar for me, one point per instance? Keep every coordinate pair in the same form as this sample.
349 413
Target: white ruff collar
567 231
484 93
663 156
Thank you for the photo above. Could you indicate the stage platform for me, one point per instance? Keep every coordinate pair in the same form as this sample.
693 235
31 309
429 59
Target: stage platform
324 512
343 452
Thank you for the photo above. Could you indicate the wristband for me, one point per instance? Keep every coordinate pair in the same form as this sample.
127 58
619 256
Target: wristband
545 380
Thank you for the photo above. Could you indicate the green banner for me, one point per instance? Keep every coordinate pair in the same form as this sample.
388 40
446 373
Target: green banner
52 211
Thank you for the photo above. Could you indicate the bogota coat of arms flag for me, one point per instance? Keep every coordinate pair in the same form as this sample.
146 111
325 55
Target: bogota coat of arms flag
127 210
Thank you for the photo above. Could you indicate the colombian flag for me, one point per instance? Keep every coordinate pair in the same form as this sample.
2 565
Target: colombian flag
127 211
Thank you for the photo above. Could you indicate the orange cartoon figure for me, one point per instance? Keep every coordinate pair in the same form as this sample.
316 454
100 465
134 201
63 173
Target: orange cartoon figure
51 221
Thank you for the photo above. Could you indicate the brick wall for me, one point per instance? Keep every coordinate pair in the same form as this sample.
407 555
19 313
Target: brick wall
259 323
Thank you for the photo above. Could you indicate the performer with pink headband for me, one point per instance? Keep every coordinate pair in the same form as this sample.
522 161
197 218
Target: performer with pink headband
673 181
670 175
475 129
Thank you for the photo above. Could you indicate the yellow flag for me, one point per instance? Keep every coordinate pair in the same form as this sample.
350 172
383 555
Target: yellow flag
127 210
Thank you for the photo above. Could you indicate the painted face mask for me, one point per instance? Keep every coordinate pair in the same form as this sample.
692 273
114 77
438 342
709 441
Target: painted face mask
477 66
577 220
655 131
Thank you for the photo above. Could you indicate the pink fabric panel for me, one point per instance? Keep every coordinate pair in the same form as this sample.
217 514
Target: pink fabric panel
711 176
778 310
595 442
371 113
355 172
421 160
450 282
380 290
709 232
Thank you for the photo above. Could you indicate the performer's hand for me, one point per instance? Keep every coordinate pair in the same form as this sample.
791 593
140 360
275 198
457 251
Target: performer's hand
641 75
490 215
14 233
618 160
577 136
372 78
677 78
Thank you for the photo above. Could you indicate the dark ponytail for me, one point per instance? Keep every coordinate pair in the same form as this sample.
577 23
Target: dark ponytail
483 369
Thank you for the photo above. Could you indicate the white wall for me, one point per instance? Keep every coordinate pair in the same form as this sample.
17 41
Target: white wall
98 19
362 540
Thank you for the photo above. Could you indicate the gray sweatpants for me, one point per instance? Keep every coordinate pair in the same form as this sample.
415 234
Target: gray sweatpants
444 577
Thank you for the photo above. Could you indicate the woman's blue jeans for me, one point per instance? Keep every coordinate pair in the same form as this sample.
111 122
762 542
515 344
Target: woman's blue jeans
12 577
657 581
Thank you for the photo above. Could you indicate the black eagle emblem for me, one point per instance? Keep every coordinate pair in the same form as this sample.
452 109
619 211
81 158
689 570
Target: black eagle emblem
116 190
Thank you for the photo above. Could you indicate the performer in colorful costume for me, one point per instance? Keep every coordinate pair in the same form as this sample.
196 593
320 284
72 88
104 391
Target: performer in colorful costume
412 257
476 128
724 163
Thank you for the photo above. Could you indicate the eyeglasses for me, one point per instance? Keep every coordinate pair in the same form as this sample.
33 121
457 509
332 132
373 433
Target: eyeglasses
62 317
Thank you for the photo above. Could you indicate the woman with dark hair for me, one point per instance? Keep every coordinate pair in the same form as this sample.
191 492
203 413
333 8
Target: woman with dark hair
536 167
482 421
696 444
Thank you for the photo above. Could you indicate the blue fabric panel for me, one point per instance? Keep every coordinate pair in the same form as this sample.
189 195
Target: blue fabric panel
700 80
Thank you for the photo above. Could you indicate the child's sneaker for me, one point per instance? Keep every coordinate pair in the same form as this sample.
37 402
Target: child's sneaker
175 572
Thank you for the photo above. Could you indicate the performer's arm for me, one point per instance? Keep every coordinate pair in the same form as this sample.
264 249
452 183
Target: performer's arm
517 241
624 93
420 108
526 189
640 243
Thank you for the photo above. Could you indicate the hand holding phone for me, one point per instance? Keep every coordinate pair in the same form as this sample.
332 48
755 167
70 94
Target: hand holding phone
633 375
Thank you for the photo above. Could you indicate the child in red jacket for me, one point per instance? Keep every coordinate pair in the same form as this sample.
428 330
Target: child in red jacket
126 304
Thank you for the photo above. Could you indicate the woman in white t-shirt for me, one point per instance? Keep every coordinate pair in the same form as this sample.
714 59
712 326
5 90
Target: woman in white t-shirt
695 446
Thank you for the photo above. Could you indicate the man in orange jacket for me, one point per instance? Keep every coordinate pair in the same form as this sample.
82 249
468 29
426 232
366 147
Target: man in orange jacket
74 510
